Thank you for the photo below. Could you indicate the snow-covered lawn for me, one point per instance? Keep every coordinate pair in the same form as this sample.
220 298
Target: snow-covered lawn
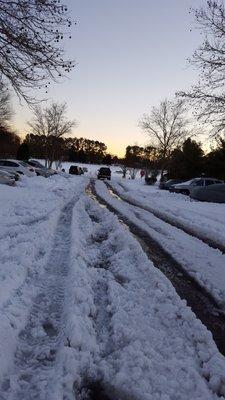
75 281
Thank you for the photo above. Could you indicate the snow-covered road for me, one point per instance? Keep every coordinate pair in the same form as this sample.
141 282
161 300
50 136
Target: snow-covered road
205 264
205 219
81 303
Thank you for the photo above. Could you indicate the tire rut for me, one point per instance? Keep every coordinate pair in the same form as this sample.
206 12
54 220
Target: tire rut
101 276
201 302
168 220
38 343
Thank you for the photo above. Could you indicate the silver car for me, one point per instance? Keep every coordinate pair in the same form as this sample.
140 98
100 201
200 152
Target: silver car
212 193
40 169
186 187
6 178
18 166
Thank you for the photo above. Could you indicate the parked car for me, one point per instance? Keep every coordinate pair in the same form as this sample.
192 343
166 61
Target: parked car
18 166
104 173
74 170
166 185
6 178
35 164
40 169
85 169
185 187
15 175
213 193
150 180
81 170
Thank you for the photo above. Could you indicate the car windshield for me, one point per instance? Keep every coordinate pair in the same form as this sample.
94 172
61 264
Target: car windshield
36 164
197 182
23 164
105 170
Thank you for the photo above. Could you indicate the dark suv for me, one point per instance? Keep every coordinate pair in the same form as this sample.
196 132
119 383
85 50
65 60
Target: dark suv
104 173
74 170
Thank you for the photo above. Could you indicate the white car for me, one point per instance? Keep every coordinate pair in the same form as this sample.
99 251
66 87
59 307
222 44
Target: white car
18 166
40 169
186 187
6 178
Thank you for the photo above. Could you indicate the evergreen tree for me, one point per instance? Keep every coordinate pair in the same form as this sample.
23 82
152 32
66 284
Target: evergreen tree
186 163
215 161
23 152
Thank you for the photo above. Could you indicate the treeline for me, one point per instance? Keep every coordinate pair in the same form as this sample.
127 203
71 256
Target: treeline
190 161
52 148
67 149
185 162
141 157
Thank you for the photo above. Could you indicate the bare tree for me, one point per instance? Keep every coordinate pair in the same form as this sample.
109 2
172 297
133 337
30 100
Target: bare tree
51 123
30 54
166 126
208 95
5 106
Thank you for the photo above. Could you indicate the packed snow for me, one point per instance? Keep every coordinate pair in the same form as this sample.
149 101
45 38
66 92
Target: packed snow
81 302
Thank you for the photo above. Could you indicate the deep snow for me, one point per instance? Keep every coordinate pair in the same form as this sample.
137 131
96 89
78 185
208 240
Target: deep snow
119 319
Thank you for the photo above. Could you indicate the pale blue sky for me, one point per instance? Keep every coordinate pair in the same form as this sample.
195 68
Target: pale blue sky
130 54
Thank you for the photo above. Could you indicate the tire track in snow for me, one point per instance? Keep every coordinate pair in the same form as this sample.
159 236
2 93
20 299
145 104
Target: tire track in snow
167 219
101 277
35 371
200 301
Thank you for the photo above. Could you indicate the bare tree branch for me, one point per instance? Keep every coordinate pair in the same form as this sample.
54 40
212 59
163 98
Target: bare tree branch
30 34
5 107
52 123
208 95
166 125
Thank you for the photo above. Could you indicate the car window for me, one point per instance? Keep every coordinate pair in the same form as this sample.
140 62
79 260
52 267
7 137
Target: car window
10 164
105 170
198 182
209 182
23 164
37 164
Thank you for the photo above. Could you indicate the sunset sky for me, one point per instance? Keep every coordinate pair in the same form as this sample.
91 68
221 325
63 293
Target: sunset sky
130 54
